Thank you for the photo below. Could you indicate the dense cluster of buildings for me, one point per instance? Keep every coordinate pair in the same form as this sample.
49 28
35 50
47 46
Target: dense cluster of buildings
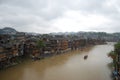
13 47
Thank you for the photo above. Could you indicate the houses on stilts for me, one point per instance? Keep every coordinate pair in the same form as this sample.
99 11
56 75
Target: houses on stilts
13 48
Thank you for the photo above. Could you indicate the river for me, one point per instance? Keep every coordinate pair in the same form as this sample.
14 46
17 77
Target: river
70 66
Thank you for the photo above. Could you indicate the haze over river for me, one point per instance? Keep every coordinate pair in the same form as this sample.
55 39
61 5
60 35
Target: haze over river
69 66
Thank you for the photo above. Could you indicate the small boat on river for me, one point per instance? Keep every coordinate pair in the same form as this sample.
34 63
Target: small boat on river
86 56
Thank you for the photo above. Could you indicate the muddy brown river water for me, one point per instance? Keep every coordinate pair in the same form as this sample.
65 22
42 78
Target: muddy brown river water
70 66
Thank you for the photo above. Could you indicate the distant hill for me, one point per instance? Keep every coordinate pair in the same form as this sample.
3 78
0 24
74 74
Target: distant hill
81 34
8 30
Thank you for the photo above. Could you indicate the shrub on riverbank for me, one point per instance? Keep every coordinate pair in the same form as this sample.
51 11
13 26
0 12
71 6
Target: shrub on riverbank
112 54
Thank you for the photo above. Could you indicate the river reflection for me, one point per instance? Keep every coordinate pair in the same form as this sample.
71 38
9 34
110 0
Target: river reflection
70 66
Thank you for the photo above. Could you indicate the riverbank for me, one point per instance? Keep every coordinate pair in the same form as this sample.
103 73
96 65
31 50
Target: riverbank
69 52
115 55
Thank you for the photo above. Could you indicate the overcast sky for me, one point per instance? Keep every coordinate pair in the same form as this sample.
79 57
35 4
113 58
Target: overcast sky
44 16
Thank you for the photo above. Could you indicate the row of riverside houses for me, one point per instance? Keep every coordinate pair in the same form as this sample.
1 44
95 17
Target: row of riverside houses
15 47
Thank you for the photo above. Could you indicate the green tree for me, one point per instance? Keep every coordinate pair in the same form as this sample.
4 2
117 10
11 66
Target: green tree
41 46
117 52
117 48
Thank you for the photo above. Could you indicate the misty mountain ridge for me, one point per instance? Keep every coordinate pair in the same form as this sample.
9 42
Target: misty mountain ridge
8 30
12 31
